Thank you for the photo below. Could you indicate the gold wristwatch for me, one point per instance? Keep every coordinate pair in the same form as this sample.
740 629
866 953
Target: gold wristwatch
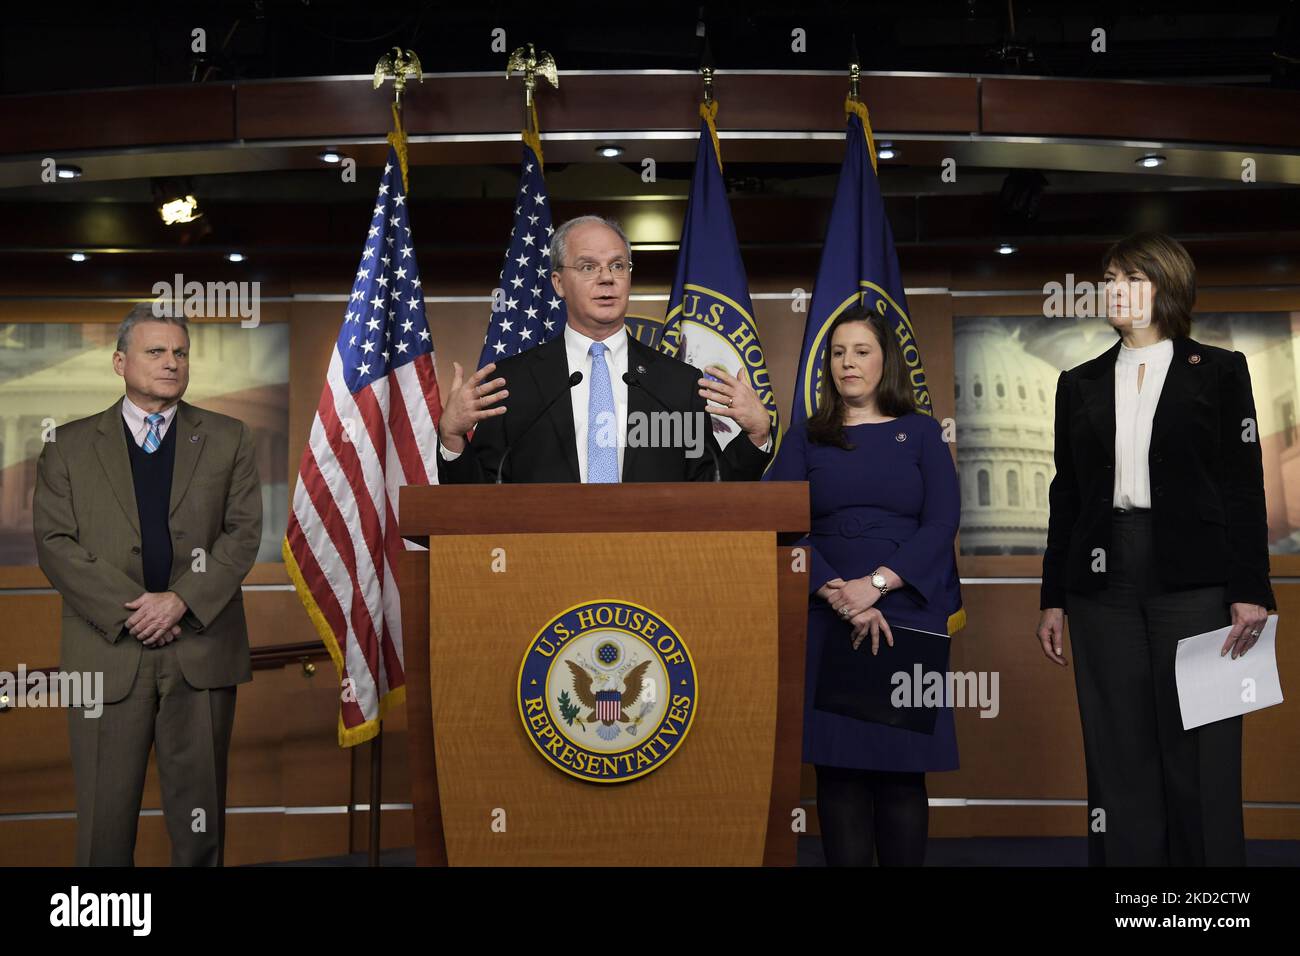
878 581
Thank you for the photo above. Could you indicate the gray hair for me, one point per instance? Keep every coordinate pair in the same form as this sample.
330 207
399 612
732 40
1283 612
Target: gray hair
143 312
558 250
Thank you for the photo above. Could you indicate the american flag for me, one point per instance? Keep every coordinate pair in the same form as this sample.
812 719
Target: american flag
525 309
373 432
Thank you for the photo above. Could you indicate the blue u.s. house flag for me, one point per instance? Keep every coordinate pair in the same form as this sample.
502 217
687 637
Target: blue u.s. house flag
710 318
525 309
858 262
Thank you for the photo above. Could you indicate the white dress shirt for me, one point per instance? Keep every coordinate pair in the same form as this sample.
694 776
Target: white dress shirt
134 416
577 353
1134 412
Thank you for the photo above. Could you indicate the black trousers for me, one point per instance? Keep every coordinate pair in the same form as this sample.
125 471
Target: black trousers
868 815
1158 795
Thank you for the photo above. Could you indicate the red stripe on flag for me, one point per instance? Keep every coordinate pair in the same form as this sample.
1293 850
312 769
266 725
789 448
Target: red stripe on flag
335 526
350 466
325 599
373 417
392 549
399 423
429 387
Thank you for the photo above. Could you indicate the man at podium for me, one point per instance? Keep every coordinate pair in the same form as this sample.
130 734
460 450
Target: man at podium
594 404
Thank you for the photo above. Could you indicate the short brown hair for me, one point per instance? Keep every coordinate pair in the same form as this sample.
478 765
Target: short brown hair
894 395
1169 267
144 312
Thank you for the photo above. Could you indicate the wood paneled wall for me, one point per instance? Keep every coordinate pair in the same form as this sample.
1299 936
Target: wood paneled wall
285 752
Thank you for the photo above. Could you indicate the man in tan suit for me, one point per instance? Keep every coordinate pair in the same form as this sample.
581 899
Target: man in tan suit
148 517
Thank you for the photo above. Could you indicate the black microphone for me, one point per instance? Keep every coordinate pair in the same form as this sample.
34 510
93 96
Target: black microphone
635 381
574 379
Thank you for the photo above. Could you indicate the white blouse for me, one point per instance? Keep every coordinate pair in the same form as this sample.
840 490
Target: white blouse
1134 412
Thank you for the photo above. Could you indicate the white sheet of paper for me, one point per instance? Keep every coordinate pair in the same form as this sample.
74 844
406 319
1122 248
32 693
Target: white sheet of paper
1212 688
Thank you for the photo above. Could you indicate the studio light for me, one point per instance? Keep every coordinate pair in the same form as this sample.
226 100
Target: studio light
176 211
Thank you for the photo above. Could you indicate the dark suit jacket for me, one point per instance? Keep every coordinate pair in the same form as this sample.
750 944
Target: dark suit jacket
549 452
1209 525
88 544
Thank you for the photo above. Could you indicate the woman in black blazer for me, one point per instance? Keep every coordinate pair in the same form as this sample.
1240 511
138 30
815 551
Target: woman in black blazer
1157 532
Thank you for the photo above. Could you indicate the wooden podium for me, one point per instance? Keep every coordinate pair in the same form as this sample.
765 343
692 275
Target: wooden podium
504 563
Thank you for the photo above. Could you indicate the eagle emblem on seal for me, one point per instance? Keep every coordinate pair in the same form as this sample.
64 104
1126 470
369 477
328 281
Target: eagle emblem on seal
600 694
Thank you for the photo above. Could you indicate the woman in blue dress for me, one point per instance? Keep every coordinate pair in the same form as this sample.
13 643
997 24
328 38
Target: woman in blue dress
885 509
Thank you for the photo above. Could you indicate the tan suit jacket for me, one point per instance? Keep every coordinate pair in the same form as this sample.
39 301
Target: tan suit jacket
88 544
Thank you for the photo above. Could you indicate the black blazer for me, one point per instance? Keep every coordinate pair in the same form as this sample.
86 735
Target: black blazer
549 452
1209 525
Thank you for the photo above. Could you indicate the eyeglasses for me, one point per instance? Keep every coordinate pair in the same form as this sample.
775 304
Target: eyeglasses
588 270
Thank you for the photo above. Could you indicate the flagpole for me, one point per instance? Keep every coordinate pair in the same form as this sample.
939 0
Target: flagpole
399 66
709 108
706 71
525 60
525 311
855 68
854 102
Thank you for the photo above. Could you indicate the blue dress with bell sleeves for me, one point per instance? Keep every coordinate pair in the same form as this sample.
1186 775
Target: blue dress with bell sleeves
891 500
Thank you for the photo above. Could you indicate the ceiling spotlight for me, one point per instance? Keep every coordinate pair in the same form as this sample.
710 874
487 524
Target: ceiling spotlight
1006 249
609 150
176 211
67 171
886 151
234 257
331 156
1151 160
78 256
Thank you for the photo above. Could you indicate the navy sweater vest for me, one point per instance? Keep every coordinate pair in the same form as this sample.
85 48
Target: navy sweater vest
152 475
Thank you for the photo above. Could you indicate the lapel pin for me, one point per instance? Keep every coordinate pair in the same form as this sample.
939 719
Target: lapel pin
901 436
1194 358
193 438
640 369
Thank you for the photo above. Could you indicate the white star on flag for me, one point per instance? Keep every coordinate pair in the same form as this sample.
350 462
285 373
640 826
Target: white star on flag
509 331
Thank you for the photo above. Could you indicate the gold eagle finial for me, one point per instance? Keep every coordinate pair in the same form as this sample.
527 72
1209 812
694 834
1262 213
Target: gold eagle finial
526 61
399 65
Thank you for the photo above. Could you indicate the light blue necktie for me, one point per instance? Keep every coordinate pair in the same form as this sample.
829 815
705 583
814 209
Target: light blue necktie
602 458
152 440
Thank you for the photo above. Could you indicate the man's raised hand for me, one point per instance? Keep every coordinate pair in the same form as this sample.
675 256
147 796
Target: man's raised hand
468 403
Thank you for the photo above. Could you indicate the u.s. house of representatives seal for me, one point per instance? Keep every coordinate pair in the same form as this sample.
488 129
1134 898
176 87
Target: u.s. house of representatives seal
607 691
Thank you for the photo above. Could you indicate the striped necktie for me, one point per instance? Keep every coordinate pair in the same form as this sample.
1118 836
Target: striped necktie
152 440
602 449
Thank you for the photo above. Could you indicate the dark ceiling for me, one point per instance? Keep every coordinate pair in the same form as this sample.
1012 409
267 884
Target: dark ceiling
68 46
75 45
